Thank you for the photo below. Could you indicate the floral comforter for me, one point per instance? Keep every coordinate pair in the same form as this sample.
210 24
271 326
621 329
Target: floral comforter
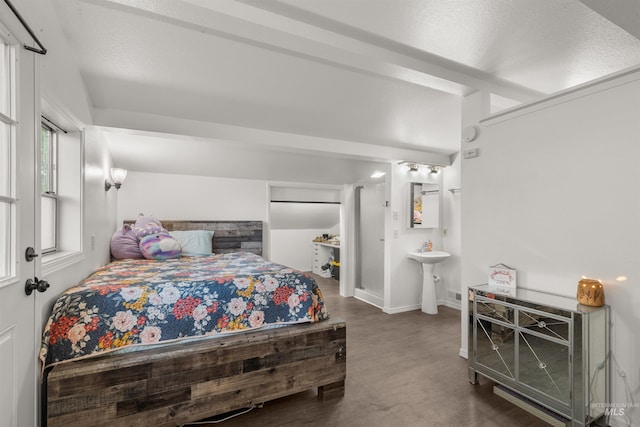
131 302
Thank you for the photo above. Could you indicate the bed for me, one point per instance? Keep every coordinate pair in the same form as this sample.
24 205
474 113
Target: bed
215 356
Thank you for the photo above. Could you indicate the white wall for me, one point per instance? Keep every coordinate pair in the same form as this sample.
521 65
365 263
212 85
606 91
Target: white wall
302 215
555 194
474 107
450 272
186 197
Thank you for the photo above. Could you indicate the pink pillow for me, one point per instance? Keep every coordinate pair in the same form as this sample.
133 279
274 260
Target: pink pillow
160 246
125 245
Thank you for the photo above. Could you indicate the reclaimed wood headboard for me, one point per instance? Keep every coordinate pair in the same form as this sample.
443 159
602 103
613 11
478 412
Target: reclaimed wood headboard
229 236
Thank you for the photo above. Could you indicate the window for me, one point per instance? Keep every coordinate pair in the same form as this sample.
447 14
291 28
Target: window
49 190
6 201
61 170
7 147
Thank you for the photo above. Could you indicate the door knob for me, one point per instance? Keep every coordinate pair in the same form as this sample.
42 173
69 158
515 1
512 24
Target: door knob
43 285
35 285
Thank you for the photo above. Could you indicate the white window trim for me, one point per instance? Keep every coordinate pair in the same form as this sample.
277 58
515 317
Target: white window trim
55 261
52 180
62 259
9 40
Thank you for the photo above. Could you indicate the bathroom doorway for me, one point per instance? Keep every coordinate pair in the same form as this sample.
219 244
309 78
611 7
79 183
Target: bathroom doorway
369 214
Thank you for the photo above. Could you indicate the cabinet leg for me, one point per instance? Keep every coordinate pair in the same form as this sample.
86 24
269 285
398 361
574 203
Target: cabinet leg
473 376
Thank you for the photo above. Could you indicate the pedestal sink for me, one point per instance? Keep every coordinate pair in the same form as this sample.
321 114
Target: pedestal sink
429 261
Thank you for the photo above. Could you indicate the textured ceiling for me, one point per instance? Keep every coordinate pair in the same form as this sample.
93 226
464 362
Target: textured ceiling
369 73
545 45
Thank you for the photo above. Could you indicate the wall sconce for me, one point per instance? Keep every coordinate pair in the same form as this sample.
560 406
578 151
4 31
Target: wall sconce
413 167
434 169
117 176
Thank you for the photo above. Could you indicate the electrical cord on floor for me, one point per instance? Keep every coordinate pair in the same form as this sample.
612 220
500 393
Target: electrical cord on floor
244 411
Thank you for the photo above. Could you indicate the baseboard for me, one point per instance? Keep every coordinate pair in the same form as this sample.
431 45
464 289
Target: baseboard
451 304
394 310
463 353
369 298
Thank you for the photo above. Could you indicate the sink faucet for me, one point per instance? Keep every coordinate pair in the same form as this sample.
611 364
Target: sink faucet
427 247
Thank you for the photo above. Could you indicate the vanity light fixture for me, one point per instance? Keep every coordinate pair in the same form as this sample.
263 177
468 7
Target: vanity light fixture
415 166
117 176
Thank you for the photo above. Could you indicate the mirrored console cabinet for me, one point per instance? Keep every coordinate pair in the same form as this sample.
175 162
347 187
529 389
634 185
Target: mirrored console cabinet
546 348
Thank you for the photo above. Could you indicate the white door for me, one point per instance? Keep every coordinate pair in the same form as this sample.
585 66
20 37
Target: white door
19 104
372 209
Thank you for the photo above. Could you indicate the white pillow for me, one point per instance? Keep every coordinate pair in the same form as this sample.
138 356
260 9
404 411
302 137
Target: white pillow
194 242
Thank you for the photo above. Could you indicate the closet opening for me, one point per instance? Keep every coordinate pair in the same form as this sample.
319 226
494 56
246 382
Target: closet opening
304 229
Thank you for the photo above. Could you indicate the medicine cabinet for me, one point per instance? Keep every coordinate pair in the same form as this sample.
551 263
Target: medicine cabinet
424 205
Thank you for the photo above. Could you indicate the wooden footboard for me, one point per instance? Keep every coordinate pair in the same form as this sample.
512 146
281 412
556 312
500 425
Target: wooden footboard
186 382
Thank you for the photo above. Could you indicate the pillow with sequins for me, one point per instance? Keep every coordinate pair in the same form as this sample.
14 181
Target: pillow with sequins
160 246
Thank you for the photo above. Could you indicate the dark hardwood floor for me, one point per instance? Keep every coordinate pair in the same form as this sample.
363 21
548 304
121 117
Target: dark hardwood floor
402 370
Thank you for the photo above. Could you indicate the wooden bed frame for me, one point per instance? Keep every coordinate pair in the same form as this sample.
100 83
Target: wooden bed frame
188 381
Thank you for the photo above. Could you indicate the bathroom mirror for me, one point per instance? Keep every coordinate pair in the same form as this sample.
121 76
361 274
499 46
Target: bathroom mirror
424 205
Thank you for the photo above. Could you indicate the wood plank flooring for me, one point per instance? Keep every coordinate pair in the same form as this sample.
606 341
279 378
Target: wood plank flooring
402 370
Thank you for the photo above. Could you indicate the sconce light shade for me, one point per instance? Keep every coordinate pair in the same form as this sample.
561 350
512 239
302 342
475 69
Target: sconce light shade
413 167
117 176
